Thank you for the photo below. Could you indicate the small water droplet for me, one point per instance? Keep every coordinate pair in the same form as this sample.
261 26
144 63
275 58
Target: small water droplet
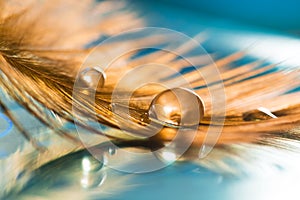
113 106
22 174
109 107
91 164
177 106
92 78
112 151
259 114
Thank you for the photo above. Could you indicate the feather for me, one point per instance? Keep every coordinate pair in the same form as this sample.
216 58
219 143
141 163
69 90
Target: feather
44 45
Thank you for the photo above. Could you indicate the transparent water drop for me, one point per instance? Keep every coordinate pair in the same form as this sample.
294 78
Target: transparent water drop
91 164
92 78
112 151
110 107
259 114
177 106
113 106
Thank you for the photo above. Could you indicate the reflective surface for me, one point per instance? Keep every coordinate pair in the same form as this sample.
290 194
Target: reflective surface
76 176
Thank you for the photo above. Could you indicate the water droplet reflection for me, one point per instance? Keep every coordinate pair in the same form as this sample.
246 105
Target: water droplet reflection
92 173
169 156
177 106
166 155
90 164
91 180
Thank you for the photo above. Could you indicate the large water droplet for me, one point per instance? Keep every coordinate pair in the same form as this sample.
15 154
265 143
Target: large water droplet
177 106
92 78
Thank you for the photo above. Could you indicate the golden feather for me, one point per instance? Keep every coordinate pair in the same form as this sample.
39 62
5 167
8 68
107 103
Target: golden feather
43 46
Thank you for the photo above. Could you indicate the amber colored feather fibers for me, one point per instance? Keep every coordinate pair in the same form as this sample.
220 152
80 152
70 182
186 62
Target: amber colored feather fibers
43 45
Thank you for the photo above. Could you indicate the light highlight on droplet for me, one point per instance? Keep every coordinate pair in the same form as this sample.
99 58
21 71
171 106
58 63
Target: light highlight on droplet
89 164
